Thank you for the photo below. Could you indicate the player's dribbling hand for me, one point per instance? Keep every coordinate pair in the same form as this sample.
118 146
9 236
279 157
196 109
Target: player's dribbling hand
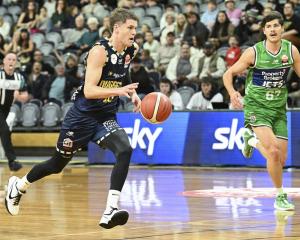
236 100
128 90
136 102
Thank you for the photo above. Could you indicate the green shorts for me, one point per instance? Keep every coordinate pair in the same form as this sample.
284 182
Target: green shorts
265 117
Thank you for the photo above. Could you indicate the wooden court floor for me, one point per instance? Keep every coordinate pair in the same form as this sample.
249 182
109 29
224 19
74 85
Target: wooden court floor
175 204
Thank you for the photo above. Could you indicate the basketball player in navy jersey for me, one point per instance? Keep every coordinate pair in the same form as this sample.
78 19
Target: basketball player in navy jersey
93 117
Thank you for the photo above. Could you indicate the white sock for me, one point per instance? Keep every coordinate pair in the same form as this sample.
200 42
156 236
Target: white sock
23 184
112 199
253 142
279 190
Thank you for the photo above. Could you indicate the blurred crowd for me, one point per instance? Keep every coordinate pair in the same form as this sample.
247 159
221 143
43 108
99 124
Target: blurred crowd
185 45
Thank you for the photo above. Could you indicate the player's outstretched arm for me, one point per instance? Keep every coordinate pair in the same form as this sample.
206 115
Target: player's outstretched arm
296 57
95 63
240 66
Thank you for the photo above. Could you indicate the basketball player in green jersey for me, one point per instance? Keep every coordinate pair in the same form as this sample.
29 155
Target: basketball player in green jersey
264 104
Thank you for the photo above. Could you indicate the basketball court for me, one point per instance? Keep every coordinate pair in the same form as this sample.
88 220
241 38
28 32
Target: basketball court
164 203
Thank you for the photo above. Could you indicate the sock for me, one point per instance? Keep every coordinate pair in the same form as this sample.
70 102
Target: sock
23 184
279 190
253 142
112 199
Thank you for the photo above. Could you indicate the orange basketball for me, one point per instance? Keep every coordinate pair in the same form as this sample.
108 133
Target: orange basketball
156 107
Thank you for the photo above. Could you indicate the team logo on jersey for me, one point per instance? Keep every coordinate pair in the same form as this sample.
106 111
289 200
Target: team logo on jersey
284 59
113 58
252 118
127 61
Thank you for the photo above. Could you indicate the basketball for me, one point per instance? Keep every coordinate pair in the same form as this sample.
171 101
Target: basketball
156 107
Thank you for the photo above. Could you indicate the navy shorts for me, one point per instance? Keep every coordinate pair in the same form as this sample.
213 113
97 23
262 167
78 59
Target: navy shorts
78 129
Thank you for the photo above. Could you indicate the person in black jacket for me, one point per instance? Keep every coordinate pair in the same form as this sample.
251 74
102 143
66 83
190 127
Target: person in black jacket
195 28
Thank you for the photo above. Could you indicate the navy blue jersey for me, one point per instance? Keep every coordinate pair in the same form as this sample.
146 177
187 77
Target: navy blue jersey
114 75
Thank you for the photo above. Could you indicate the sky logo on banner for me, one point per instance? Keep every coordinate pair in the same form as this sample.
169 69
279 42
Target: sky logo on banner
228 137
137 136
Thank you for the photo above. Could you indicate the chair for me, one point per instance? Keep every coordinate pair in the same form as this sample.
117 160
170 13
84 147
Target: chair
51 114
3 10
150 21
54 37
15 108
38 39
14 10
7 17
186 93
155 11
138 11
222 51
179 2
47 48
30 114
64 109
50 60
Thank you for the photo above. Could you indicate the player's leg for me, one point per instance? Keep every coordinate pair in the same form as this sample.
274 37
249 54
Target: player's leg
119 144
75 133
111 136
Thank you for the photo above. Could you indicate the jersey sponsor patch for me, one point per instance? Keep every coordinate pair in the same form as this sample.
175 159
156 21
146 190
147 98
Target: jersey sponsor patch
113 58
270 78
284 59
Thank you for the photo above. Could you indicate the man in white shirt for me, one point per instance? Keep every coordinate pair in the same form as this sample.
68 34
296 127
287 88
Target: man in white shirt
203 100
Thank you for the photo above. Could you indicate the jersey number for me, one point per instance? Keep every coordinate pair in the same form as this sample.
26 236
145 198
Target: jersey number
108 100
272 94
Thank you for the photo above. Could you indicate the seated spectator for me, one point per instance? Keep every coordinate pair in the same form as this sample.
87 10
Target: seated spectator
233 13
27 19
23 46
169 27
88 39
139 74
105 25
106 33
209 93
145 28
291 24
36 81
151 44
166 52
73 12
60 86
139 39
195 28
210 14
2 48
222 30
43 22
179 28
233 52
211 64
249 30
190 6
60 17
47 69
254 4
93 9
276 5
146 60
182 67
166 87
71 65
168 9
72 35
4 28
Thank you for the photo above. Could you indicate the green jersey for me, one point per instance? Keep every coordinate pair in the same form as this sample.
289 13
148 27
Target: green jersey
266 79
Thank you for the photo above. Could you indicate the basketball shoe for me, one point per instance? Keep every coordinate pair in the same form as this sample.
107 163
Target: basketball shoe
247 149
282 203
113 217
13 196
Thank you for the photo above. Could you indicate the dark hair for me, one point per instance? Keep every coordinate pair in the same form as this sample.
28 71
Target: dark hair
121 15
291 3
167 81
220 26
272 16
